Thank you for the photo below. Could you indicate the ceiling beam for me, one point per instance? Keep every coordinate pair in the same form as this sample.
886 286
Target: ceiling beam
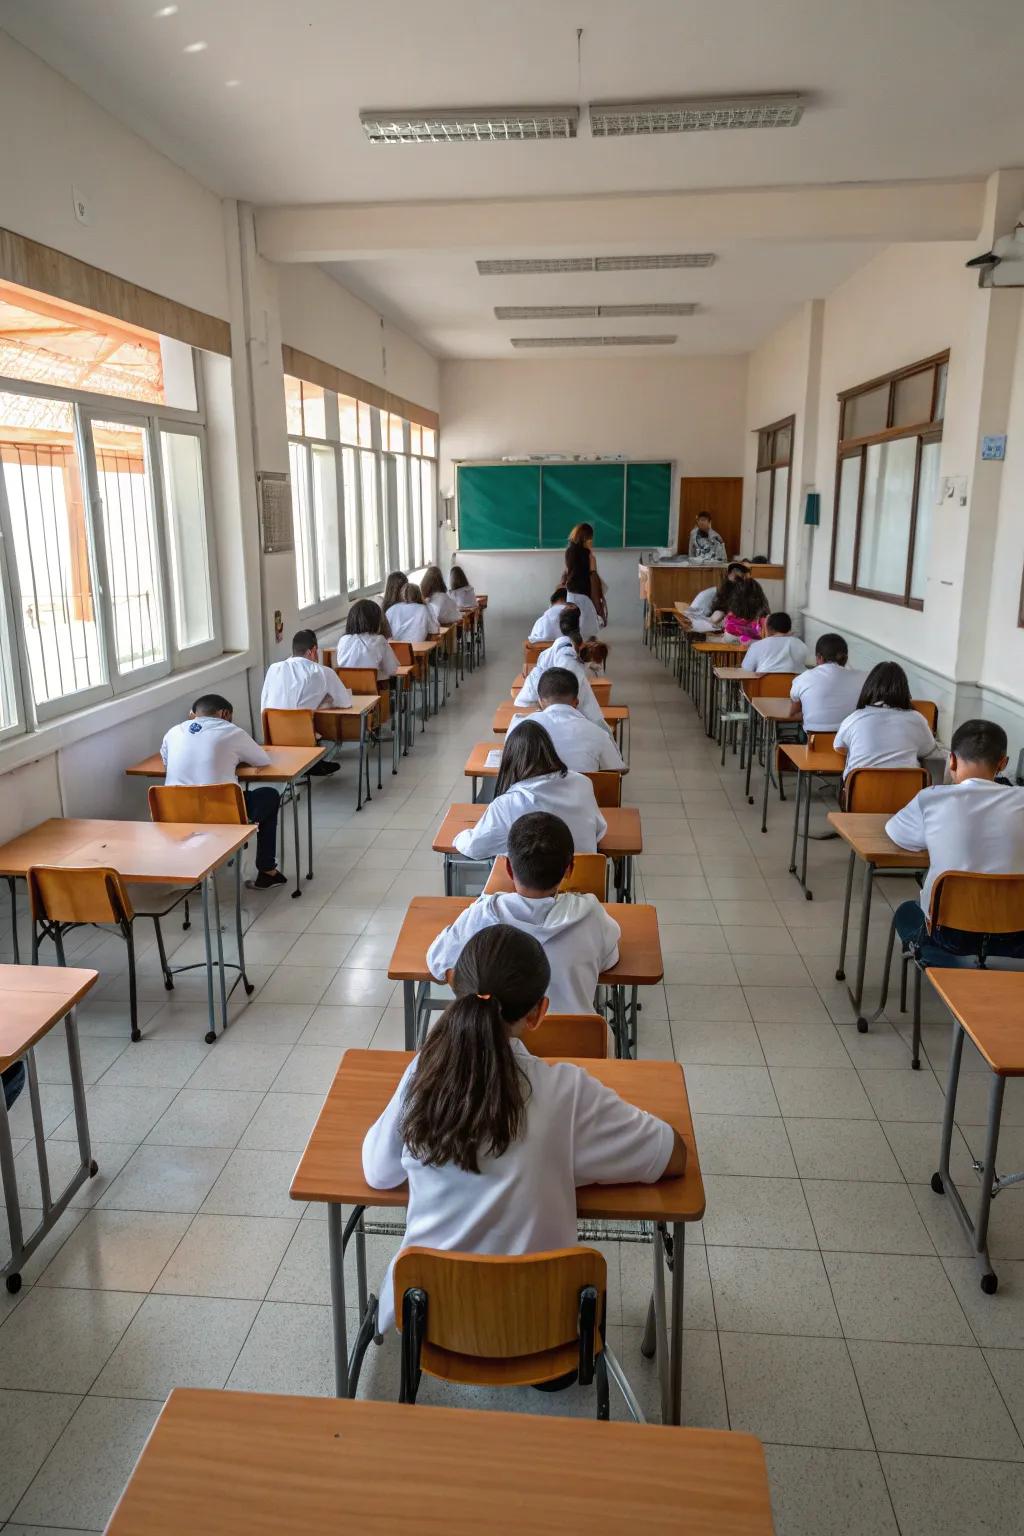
882 212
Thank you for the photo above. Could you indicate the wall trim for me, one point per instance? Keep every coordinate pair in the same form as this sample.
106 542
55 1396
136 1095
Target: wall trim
301 365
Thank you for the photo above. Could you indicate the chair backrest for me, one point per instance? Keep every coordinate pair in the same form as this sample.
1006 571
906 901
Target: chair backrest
500 1320
569 1034
359 680
288 728
773 685
328 654
531 650
883 790
215 805
589 874
978 903
929 710
403 652
821 741
77 895
607 784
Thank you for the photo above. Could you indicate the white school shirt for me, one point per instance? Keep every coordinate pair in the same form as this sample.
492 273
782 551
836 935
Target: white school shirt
878 737
703 605
570 797
412 621
977 825
578 741
579 937
445 609
562 653
575 1132
827 694
298 683
776 653
546 627
367 651
208 751
463 597
590 624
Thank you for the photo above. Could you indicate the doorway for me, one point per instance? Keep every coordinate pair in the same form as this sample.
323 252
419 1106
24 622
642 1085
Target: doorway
722 496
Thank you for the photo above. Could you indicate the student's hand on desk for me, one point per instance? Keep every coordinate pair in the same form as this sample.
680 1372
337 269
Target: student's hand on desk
676 1165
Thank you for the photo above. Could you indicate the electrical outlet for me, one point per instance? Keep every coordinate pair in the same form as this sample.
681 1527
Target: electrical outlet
954 489
81 205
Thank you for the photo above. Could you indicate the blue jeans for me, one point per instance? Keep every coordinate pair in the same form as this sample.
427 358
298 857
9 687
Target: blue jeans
261 803
14 1082
947 944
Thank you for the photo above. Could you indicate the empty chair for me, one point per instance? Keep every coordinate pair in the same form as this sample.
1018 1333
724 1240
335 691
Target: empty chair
929 710
883 791
607 786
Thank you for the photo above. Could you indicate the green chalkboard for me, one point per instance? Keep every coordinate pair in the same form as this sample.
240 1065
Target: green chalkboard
648 489
534 506
582 493
499 506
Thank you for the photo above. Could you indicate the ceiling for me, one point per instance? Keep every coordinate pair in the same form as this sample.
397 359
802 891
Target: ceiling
268 112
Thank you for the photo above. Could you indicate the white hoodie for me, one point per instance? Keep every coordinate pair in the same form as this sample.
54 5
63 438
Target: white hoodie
562 653
547 626
580 743
580 939
570 797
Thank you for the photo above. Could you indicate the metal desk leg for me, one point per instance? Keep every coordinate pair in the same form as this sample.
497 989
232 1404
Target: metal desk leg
770 734
12 887
239 936
753 736
676 1326
380 730
9 1182
433 656
338 1322
409 1006
796 822
840 968
942 1182
447 866
211 1033
220 957
807 831
857 995
362 754
295 833
309 825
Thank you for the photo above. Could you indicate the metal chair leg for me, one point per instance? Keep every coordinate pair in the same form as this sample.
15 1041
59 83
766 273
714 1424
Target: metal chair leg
414 1322
168 977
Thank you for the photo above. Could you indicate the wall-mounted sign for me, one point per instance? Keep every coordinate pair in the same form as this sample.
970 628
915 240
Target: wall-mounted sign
993 447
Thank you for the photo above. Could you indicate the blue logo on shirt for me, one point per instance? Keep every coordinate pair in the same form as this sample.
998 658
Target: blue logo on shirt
195 728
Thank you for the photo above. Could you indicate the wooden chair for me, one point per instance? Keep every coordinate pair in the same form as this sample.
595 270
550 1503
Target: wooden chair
882 791
214 805
821 741
288 728
569 1034
500 1321
929 710
62 899
532 649
607 784
363 681
419 677
589 874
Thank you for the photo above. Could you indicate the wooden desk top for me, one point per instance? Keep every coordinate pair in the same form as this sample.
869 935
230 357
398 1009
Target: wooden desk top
624 834
286 763
145 852
476 762
774 709
33 998
362 704
990 1006
807 761
733 675
639 964
245 1464
612 713
866 836
601 687
424 647
331 1167
710 646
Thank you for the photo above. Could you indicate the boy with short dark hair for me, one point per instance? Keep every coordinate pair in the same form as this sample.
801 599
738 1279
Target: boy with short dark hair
829 690
580 743
580 938
779 651
300 682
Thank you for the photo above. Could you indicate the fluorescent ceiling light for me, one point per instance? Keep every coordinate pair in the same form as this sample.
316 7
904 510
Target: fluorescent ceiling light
519 266
593 341
586 311
464 125
696 116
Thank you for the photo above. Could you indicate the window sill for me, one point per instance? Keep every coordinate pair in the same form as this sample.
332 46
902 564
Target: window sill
54 735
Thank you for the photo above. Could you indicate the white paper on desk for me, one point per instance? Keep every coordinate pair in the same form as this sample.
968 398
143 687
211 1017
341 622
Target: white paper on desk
494 757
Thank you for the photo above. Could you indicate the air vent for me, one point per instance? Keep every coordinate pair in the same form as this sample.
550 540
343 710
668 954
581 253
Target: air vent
469 125
698 116
593 341
587 311
517 266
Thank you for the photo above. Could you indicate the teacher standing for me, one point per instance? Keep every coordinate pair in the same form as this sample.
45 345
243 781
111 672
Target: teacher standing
581 574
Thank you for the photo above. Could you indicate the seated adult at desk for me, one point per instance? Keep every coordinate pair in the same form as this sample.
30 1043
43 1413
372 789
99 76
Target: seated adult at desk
532 777
706 546
564 652
363 642
436 595
207 749
494 1141
829 691
580 743
546 627
300 682
412 619
708 609
779 651
885 730
971 824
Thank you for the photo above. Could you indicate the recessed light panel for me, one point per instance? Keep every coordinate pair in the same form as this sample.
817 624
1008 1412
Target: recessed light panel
587 311
614 122
593 341
524 266
468 125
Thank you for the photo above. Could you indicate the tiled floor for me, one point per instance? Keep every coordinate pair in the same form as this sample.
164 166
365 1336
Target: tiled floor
830 1307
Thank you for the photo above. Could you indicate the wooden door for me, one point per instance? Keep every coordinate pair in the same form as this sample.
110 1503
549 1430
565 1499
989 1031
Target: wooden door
722 496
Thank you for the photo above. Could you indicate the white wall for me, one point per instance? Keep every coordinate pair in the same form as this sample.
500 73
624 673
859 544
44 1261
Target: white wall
1003 666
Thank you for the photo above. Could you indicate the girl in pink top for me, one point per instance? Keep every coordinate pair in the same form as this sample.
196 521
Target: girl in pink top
747 610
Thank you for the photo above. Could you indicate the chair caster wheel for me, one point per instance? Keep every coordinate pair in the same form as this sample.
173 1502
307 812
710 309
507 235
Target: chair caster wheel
937 1184
990 1284
916 1065
648 1353
808 895
94 1168
209 1037
840 975
13 1283
168 985
862 1026
750 799
295 895
136 1034
250 988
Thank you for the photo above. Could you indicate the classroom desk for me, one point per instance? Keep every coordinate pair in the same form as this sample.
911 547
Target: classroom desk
242 1463
287 765
866 838
621 842
989 1007
144 853
703 689
639 963
479 765
331 1171
426 653
600 686
808 763
616 716
33 998
767 714
730 681
363 707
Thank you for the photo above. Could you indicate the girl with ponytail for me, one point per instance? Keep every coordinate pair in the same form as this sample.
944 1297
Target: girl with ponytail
494 1141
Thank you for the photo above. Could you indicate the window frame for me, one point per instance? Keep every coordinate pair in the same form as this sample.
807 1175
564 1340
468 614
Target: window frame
772 464
930 431
321 604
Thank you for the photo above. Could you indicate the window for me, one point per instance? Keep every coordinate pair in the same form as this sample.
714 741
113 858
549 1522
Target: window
353 542
315 511
107 576
369 524
305 408
887 481
771 490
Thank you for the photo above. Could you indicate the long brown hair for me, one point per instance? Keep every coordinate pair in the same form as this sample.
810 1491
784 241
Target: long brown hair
577 569
468 1094
411 593
457 579
432 582
393 589
528 752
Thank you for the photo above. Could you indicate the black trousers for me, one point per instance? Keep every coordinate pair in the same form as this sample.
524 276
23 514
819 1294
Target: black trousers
262 803
14 1082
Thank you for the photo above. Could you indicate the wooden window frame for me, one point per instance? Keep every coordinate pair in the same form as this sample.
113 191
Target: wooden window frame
772 464
856 448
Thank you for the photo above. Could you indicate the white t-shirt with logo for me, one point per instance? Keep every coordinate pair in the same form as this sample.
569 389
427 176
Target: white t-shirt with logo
208 751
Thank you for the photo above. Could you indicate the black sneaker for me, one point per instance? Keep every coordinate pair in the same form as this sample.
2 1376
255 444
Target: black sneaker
323 769
264 880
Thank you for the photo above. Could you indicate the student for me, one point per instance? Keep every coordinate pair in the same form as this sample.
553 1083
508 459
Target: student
580 939
884 731
393 588
582 745
708 609
706 546
436 594
581 575
973 824
546 627
779 651
207 749
411 618
829 691
564 652
532 777
493 1141
300 682
747 609
460 589
364 644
